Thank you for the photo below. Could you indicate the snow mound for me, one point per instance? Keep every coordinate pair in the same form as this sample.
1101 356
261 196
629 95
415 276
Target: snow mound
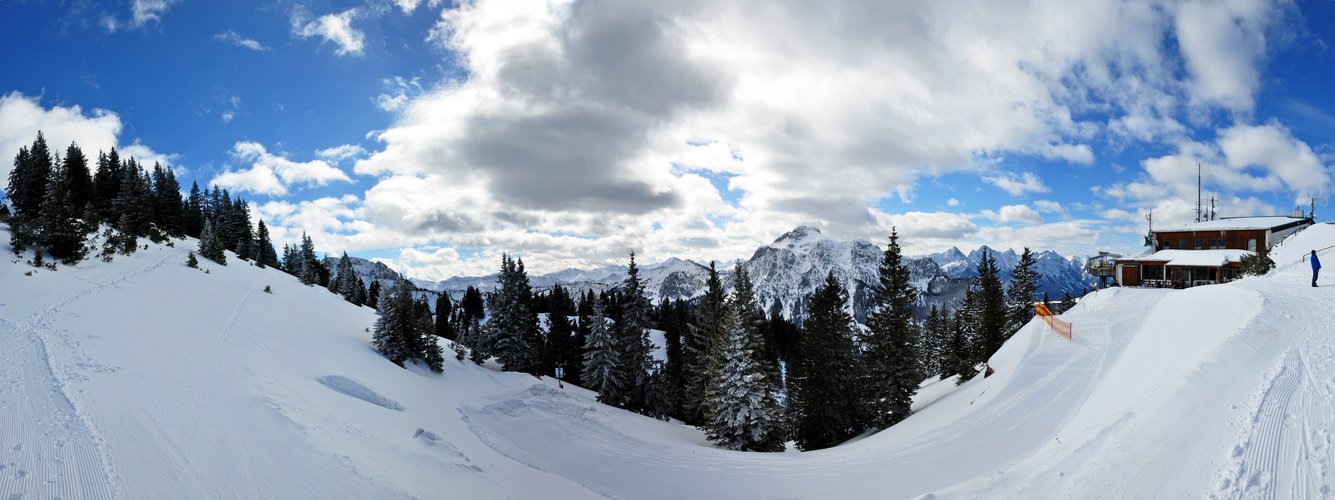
360 391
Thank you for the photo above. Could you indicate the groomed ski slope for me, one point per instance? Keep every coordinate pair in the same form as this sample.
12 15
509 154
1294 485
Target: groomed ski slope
143 378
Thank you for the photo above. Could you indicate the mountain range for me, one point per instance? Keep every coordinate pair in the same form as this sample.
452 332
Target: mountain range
786 272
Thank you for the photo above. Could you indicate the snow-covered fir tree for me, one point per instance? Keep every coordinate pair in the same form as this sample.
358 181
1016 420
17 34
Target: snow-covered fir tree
602 360
308 267
210 245
824 375
703 337
743 413
892 368
511 332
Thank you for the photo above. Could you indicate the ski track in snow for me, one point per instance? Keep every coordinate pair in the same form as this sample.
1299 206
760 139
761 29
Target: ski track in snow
1287 450
48 449
563 436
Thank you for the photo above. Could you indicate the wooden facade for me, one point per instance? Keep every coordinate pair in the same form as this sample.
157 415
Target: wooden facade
1173 262
1244 239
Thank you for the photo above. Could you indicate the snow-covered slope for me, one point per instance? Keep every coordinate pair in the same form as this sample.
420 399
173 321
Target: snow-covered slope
143 378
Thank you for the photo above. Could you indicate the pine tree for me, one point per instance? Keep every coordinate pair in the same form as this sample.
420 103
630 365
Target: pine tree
962 349
394 326
107 184
27 182
168 209
191 261
373 295
704 336
824 380
742 411
308 266
1020 294
264 251
602 359
444 328
60 229
751 320
512 326
932 343
78 177
637 364
892 373
991 318
210 246
1066 303
194 211
345 284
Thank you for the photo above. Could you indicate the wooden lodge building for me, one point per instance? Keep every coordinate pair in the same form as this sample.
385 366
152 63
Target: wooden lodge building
1203 252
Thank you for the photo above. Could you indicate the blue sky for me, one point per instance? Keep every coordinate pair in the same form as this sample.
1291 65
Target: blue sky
435 135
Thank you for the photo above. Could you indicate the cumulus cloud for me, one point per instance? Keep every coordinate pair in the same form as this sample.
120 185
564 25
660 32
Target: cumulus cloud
1017 185
613 116
272 174
236 39
1242 158
336 28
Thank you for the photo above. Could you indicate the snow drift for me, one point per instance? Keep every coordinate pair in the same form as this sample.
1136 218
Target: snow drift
143 378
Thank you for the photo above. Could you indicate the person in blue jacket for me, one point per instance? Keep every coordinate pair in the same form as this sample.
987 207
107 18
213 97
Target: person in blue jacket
1316 267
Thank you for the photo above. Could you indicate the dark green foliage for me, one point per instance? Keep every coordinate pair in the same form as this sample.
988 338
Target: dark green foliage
602 359
211 246
168 209
107 184
191 261
636 350
824 374
1020 294
565 349
700 350
403 330
27 181
1066 303
444 327
79 180
373 295
194 212
264 251
1259 263
961 351
742 408
474 308
60 227
892 373
511 333
991 318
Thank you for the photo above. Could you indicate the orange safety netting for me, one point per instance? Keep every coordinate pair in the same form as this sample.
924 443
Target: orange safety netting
1061 327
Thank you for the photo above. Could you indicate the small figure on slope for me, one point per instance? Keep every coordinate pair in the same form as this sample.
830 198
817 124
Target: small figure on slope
1316 267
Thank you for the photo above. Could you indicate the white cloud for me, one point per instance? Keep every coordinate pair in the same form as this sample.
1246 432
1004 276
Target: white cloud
340 153
953 202
1015 213
22 116
336 28
1224 44
408 6
235 38
141 12
612 116
1049 206
272 174
1017 185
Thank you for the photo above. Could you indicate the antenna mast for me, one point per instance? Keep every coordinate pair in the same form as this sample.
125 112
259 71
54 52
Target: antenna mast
1198 191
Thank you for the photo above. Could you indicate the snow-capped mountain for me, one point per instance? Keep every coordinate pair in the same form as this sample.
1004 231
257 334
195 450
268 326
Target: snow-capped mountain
367 270
670 280
787 272
1059 274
